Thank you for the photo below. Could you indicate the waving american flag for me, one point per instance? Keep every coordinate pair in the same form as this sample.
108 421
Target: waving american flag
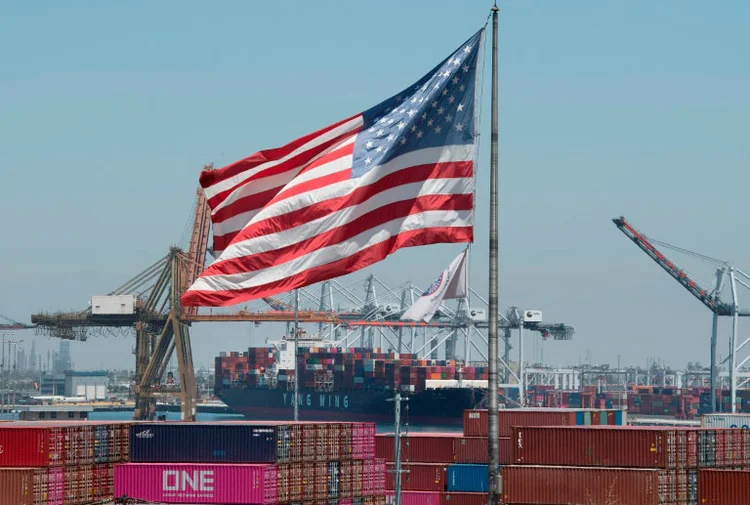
400 174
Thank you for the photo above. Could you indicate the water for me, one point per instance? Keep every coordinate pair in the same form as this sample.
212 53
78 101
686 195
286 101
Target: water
104 415
204 416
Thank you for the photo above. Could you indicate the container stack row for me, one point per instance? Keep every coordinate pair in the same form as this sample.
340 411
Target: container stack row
60 463
338 368
277 463
451 468
634 465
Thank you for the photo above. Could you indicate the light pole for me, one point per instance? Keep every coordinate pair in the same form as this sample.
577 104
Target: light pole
5 335
13 378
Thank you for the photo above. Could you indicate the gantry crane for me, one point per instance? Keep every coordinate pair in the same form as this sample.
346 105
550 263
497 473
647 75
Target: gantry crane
710 298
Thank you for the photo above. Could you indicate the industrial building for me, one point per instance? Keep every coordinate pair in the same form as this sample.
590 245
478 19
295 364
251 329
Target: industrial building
90 385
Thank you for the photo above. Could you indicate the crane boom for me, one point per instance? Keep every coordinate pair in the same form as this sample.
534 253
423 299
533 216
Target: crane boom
708 298
7 323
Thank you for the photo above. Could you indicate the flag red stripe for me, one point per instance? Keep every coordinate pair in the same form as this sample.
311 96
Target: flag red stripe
211 177
357 261
340 234
420 173
285 166
244 204
261 199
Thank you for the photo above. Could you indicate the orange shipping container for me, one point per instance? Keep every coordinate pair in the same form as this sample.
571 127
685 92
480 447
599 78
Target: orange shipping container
31 486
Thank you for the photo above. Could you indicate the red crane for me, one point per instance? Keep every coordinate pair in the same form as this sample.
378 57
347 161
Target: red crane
709 298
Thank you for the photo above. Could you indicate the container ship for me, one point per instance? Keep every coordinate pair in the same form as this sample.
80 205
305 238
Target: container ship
347 384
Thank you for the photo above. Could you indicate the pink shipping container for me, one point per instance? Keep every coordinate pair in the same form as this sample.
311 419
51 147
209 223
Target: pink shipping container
556 485
197 483
604 446
723 487
416 497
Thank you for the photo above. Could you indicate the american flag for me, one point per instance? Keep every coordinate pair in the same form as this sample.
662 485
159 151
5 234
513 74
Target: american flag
400 174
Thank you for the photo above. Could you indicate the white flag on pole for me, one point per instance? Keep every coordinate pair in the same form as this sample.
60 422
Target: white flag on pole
451 284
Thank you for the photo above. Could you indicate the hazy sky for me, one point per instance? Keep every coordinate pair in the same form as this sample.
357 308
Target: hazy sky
108 111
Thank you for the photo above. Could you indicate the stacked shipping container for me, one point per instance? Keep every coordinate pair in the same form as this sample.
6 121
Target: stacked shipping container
59 463
331 463
451 468
638 466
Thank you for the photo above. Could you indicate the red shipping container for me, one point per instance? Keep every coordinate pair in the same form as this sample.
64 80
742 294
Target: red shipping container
197 483
556 485
599 446
463 499
418 447
41 446
421 477
475 421
723 487
475 450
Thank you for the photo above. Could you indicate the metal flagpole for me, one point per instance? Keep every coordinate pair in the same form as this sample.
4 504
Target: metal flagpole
397 471
492 384
296 354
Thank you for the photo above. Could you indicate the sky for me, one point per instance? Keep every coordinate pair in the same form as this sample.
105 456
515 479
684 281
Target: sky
109 110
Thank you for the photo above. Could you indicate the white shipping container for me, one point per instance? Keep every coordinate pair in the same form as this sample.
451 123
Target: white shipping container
725 421
113 305
101 392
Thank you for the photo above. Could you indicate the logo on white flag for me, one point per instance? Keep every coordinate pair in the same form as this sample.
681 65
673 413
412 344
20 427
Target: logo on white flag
451 284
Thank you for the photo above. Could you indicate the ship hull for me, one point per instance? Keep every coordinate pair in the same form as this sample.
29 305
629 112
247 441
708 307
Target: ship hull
430 407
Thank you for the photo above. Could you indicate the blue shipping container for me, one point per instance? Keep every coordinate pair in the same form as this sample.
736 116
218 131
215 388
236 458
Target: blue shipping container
467 478
199 443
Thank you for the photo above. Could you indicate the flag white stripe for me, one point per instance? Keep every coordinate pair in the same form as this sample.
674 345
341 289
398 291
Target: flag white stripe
325 255
289 178
269 242
422 157
327 168
229 183
256 186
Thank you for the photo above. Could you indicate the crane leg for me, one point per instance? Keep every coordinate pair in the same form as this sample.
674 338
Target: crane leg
187 372
714 371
